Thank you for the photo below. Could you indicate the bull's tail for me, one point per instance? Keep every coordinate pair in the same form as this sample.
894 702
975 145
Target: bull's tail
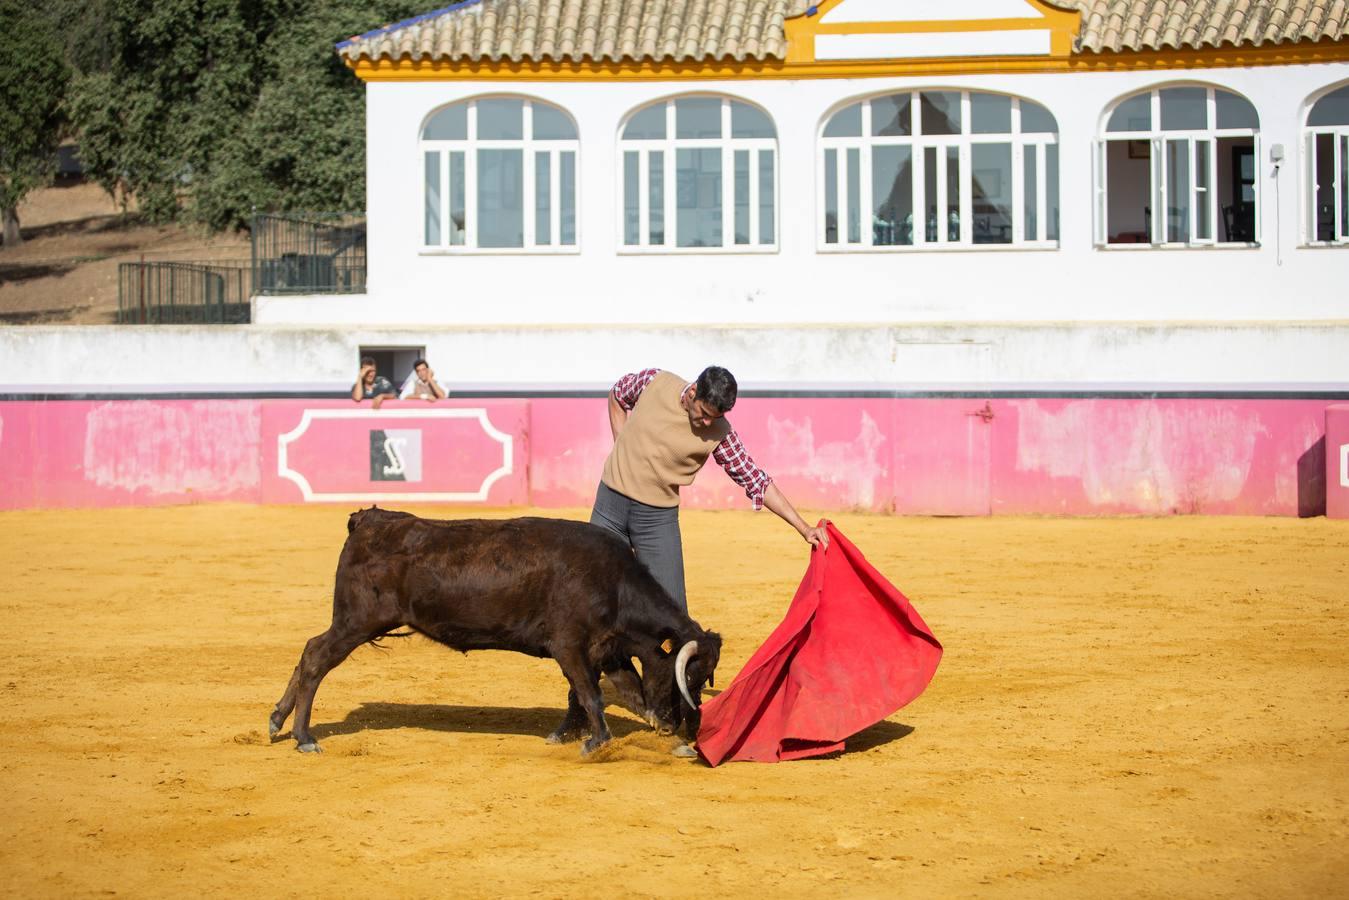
375 641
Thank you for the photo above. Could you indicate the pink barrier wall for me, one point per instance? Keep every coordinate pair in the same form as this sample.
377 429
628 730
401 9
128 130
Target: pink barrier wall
1337 462
906 455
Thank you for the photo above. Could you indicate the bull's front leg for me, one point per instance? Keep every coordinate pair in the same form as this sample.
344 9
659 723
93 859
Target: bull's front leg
585 685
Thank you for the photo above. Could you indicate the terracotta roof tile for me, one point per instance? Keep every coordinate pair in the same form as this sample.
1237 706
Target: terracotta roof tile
690 30
1124 25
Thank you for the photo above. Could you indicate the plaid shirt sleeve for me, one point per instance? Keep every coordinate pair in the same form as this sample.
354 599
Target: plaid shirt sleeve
628 388
732 456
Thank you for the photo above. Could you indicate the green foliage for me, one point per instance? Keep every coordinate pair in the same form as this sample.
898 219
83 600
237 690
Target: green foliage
33 79
209 108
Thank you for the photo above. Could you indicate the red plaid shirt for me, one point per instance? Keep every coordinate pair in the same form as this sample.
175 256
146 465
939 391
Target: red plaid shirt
730 454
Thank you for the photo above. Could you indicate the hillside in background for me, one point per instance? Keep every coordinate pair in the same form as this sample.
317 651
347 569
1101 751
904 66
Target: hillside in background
65 271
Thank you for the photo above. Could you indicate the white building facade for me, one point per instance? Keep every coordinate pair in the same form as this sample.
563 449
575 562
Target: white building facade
1002 184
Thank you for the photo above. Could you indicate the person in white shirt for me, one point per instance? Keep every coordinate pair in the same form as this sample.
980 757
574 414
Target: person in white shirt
421 384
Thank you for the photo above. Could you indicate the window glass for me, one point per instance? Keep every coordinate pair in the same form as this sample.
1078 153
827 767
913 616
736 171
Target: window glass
552 124
847 122
649 125
892 195
656 196
1030 193
749 122
890 115
501 220
458 199
741 204
1234 111
567 197
500 120
1332 109
1178 191
698 199
1184 109
766 209
450 124
991 193
543 198
631 198
431 214
1052 192
1035 119
940 112
953 193
1323 173
1134 114
930 193
854 186
698 117
990 114
831 196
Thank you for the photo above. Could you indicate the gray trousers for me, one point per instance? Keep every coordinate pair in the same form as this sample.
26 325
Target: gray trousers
651 531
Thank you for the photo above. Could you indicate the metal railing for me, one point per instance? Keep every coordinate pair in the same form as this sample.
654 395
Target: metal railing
183 292
309 253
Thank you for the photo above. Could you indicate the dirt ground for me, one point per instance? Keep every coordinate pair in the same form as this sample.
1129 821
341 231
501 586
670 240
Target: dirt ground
65 271
1126 708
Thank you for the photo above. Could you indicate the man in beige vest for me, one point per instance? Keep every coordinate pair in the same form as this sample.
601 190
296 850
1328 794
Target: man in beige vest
664 430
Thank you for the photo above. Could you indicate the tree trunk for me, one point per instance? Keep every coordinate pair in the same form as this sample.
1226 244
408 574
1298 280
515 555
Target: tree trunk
12 236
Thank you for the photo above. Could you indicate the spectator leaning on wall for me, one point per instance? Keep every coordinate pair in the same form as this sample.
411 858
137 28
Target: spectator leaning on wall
370 385
421 384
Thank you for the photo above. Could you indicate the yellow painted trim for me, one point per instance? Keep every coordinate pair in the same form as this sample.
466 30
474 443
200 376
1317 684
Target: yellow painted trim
1061 24
505 70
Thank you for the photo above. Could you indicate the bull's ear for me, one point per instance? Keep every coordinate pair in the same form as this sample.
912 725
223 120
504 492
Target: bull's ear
667 646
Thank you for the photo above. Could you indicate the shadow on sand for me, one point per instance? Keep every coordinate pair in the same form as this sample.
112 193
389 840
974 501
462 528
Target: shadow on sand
528 720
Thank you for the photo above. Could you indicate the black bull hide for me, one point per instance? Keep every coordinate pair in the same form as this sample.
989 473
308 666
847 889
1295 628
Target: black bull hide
551 588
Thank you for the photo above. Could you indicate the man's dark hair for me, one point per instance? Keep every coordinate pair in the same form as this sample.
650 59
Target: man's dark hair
367 360
420 362
716 387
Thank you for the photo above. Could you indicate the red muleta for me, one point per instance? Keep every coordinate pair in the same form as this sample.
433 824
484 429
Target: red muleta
851 651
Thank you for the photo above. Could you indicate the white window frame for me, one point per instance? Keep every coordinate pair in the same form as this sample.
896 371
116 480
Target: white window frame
530 149
1339 135
1158 172
668 146
919 144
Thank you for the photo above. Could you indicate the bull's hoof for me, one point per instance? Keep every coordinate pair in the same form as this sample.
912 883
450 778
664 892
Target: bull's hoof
592 744
273 727
310 747
684 751
563 737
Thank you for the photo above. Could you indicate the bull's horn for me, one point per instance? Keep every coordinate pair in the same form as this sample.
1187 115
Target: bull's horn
686 653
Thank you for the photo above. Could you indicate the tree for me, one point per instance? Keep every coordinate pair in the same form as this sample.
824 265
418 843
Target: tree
33 80
210 108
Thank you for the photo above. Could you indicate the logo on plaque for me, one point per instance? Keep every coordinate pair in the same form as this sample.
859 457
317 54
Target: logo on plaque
396 454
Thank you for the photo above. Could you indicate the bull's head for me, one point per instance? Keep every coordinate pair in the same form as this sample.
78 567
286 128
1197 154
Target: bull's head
674 680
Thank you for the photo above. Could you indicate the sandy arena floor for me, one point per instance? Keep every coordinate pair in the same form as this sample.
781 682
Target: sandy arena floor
1145 707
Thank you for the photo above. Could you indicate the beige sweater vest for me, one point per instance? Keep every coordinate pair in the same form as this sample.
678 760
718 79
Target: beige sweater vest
658 450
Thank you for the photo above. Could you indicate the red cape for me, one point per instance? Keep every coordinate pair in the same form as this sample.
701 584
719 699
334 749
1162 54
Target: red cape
851 651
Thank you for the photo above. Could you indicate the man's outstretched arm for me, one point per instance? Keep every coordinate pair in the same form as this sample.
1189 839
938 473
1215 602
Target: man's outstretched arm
777 501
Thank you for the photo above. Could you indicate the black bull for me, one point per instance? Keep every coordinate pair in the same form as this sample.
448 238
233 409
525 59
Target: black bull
546 587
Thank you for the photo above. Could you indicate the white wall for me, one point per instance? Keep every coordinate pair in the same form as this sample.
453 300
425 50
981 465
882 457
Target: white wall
174 358
1278 280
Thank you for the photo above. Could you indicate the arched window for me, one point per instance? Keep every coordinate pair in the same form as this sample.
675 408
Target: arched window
1177 166
699 173
499 173
939 169
1328 161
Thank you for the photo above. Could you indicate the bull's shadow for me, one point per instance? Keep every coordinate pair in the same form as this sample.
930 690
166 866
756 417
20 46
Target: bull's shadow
536 721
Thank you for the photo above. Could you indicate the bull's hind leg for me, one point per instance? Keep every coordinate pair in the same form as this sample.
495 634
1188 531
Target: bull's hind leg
585 686
573 723
321 655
